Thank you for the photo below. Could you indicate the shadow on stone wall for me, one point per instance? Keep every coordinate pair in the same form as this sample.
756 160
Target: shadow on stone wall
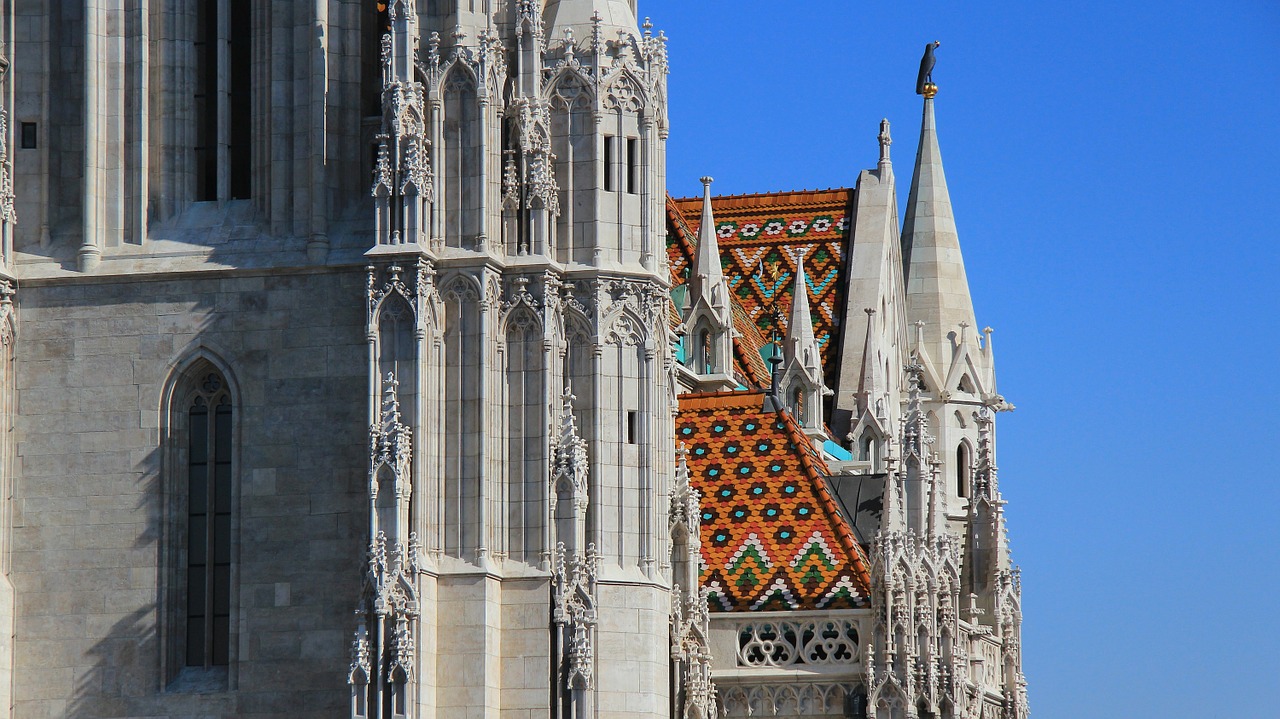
122 665
122 673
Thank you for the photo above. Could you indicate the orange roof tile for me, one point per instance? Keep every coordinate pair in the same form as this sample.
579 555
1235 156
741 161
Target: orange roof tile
775 229
749 365
772 536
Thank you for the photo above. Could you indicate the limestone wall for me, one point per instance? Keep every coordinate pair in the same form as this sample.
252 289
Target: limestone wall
89 559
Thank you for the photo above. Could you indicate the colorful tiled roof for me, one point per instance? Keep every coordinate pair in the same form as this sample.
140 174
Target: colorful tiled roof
774 229
748 363
772 537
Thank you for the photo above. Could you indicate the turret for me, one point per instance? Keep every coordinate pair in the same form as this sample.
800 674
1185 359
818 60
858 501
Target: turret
708 326
521 172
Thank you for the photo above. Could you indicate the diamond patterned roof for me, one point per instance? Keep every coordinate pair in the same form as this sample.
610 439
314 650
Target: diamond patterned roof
779 230
748 362
772 537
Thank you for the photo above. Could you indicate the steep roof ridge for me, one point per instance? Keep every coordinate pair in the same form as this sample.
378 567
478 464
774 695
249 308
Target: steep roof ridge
747 342
684 234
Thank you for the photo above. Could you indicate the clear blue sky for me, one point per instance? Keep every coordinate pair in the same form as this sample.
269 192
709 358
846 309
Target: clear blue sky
1113 170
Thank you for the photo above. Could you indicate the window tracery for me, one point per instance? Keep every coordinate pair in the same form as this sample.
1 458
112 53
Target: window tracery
200 546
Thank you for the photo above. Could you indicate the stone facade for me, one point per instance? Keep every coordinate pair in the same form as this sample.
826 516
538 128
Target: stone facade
342 349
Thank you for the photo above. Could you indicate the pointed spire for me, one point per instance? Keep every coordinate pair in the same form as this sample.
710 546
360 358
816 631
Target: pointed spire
802 346
706 280
708 324
803 373
937 288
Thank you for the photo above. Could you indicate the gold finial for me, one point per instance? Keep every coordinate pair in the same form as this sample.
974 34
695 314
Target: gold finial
930 90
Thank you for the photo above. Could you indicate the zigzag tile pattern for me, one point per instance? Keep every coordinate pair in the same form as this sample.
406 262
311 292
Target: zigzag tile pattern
772 538
748 344
760 235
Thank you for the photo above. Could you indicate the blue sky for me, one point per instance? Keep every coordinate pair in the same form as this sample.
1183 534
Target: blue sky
1112 166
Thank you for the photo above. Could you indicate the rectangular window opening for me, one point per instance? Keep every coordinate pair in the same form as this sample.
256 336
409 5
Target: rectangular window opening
633 165
204 105
239 99
608 162
29 136
208 546
633 427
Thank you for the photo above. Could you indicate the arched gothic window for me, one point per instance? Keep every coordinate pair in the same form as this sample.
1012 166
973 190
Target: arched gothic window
461 157
200 544
866 446
707 351
209 490
962 470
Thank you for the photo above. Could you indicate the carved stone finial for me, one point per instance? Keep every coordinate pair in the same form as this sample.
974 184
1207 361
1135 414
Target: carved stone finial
885 141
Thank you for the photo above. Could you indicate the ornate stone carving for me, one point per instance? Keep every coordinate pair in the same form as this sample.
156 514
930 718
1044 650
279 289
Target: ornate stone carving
570 468
389 602
7 212
786 699
784 644
690 617
574 614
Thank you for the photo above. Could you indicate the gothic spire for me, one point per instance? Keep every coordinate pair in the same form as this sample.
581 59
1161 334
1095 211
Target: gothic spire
706 279
708 324
803 374
937 288
802 346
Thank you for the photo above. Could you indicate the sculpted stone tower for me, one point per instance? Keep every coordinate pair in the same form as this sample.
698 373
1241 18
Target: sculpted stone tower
519 365
947 601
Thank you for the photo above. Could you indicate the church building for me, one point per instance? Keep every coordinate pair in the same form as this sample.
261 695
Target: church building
355 362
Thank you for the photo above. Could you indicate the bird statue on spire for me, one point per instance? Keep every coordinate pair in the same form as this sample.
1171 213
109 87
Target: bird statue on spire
925 79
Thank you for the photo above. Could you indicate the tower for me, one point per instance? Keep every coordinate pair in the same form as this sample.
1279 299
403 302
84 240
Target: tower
515 282
957 365
946 600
